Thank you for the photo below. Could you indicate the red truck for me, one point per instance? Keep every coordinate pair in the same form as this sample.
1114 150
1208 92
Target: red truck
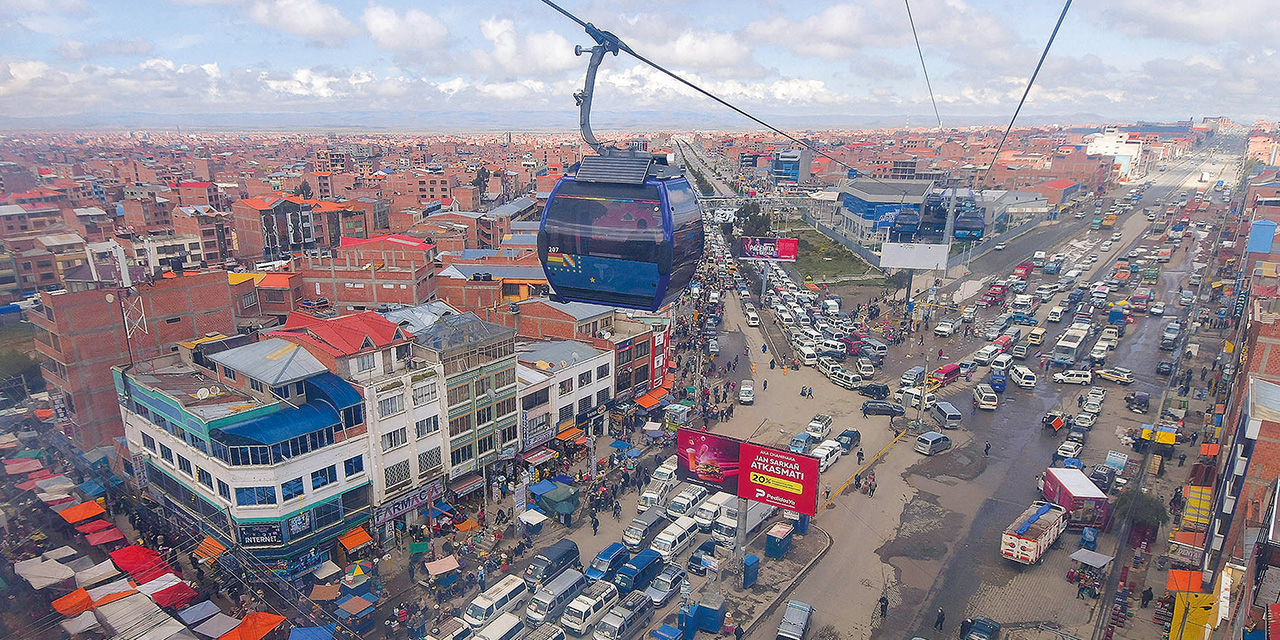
1086 504
1024 270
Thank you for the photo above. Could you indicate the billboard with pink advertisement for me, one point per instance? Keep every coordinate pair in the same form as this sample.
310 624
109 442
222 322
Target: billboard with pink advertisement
708 459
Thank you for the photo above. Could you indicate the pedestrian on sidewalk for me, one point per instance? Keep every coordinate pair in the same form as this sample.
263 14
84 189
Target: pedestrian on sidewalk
871 489
986 450
884 607
860 456
942 617
595 524
827 491
1147 595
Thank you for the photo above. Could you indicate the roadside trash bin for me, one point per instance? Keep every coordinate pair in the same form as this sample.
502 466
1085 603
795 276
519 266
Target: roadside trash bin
750 570
778 541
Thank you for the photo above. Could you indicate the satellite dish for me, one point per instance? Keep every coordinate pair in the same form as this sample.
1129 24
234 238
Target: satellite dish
563 363
202 393
215 390
111 298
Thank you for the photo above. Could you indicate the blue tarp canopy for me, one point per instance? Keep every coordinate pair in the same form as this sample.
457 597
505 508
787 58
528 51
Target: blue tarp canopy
634 453
441 508
542 487
619 444
92 488
313 633
282 425
338 391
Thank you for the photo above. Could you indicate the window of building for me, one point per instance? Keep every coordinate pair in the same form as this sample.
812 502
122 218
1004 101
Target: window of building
459 394
149 442
394 439
228 373
584 378
291 489
250 496
505 407
504 378
327 514
323 477
429 462
461 455
281 391
247 300
623 357
224 490
460 424
641 349
483 385
484 415
566 412
427 426
509 434
390 406
484 445
397 474
166 453
584 404
624 381
641 373
256 385
535 399
352 466
424 393
602 396
365 362
204 478
566 387
184 465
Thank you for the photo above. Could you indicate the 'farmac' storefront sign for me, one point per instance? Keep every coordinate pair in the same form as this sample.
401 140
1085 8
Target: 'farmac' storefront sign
427 493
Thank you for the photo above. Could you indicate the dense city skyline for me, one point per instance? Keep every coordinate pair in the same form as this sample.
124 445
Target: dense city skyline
408 66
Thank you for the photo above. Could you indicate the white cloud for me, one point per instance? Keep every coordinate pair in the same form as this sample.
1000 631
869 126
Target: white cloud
1194 20
76 50
515 55
413 31
321 24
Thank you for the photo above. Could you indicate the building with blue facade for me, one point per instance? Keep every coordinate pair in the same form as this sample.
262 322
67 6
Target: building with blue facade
792 167
257 445
871 207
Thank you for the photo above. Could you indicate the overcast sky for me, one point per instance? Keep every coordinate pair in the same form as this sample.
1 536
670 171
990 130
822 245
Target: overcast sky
1119 59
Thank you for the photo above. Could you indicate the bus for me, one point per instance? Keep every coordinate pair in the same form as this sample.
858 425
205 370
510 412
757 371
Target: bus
1141 299
1068 349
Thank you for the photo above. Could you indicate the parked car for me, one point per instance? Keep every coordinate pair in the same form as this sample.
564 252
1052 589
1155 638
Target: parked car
795 620
1069 449
874 390
666 585
1000 246
1085 420
882 408
1165 368
1156 309
1119 375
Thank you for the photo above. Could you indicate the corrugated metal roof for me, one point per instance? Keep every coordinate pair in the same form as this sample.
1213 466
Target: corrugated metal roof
579 310
554 352
517 206
273 361
281 425
417 318
454 331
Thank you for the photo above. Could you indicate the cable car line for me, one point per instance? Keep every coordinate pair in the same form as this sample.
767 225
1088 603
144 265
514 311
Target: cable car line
920 51
1062 16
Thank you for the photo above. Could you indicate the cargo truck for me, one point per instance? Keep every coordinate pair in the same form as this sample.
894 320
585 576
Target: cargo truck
1086 504
725 529
1030 535
1096 224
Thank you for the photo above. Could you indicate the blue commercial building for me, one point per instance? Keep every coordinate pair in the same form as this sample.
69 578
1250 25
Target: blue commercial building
872 207
792 167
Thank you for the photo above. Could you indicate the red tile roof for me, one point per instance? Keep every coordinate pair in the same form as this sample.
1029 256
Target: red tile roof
275 280
344 335
259 204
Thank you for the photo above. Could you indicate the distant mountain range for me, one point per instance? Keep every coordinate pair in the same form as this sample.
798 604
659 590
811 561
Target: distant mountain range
518 121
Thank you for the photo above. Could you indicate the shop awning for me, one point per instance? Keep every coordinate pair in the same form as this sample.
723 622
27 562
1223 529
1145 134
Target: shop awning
97 573
569 435
442 566
61 553
217 625
539 456
81 512
96 525
197 613
1273 621
1189 581
313 633
22 465
532 518
254 626
468 525
326 570
647 401
582 440
106 536
210 549
81 623
620 445
467 484
74 603
91 488
1210 449
355 538
1091 558
325 592
542 487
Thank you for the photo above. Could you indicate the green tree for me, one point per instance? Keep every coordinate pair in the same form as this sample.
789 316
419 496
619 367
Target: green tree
704 185
1142 508
754 222
481 180
303 190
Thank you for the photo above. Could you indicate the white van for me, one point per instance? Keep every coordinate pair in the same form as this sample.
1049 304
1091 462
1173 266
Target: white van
666 472
845 378
826 365
753 319
986 354
687 502
1022 376
747 392
826 455
588 608
986 397
1001 363
714 297
865 368
932 442
910 397
808 357
675 538
786 318
507 626
507 595
1055 314
832 345
1074 376
654 496
550 600
876 347
946 415
713 508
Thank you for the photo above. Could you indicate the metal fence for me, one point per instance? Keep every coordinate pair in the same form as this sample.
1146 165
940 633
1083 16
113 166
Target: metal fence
843 240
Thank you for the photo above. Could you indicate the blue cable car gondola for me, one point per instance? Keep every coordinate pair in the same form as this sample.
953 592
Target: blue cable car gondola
625 228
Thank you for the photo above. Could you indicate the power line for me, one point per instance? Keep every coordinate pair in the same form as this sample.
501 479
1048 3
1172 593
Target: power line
922 65
608 39
1062 16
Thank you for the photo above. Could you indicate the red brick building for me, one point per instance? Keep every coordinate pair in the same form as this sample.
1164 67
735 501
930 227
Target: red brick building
367 273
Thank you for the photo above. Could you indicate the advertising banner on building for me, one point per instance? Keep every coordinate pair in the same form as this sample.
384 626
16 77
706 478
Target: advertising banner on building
707 459
780 478
774 249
